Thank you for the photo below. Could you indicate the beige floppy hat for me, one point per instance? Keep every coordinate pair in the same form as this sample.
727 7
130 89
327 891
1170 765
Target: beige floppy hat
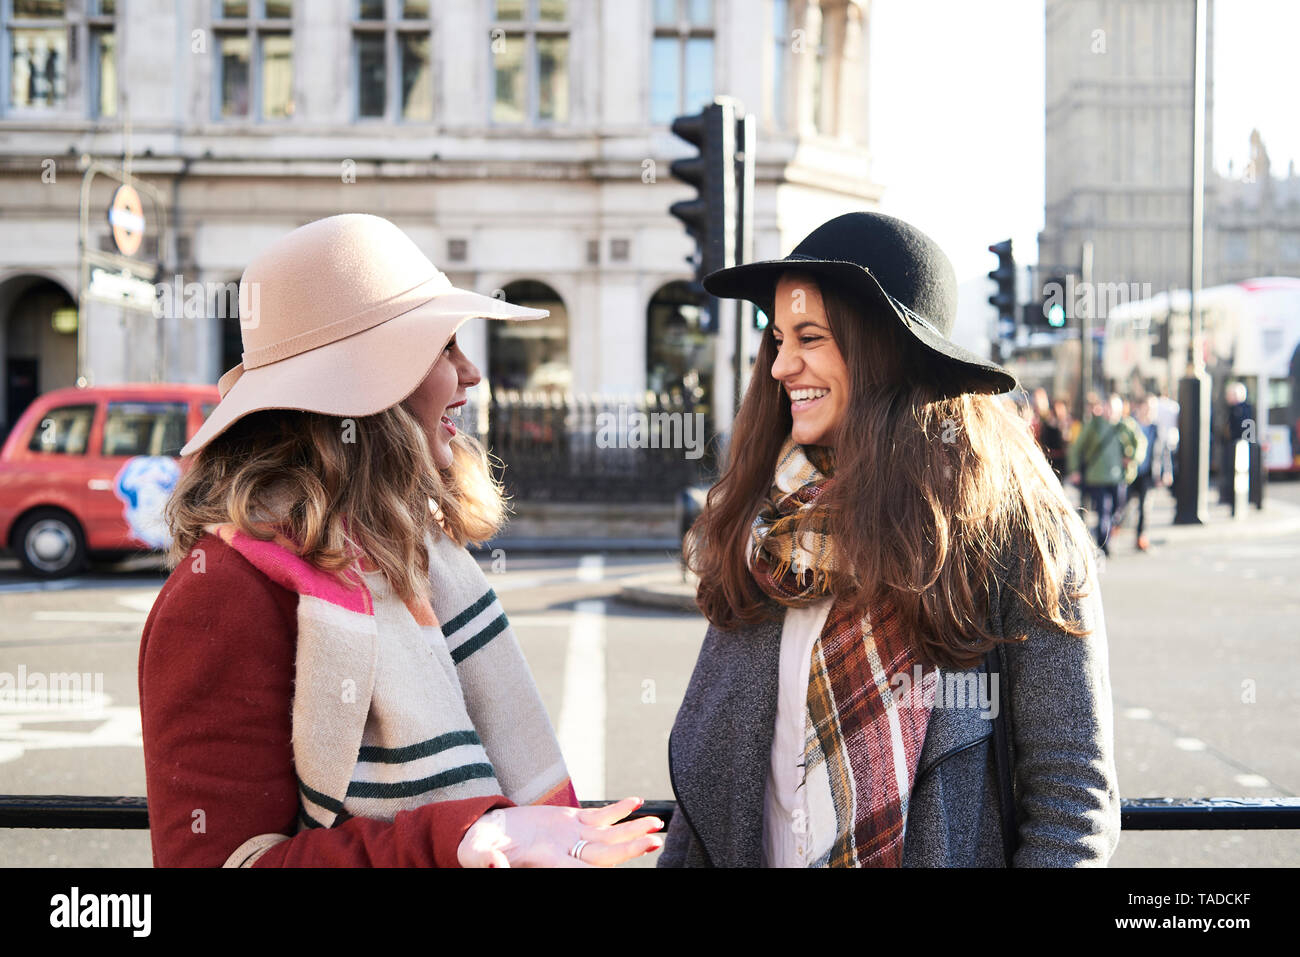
343 316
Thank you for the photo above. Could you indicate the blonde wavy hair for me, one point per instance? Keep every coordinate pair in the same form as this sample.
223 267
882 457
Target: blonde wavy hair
367 483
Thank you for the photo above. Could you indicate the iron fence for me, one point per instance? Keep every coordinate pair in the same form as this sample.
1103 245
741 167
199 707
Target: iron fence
577 448
94 812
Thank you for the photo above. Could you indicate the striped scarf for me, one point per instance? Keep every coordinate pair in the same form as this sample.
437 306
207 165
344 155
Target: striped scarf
861 745
391 710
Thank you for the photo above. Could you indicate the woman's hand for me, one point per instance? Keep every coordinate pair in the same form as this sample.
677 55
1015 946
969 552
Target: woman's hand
543 836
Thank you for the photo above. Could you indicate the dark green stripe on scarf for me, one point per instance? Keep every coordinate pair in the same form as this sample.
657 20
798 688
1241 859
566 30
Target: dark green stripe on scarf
321 800
471 645
400 789
307 819
413 752
466 616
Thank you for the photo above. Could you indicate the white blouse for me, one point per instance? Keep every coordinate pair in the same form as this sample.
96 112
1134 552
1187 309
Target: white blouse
785 808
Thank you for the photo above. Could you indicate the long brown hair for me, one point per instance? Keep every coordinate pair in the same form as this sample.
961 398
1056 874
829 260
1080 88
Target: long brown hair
934 496
367 483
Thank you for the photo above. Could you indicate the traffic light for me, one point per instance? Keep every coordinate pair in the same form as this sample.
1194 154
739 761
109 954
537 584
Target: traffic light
1160 336
1049 311
709 218
1054 309
1004 300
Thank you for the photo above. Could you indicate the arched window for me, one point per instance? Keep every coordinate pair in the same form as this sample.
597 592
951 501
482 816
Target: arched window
38 341
679 354
224 308
532 355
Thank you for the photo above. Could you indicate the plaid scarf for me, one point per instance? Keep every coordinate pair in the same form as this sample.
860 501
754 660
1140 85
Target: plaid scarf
861 745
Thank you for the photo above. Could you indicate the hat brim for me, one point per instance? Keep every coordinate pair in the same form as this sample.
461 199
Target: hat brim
361 374
756 283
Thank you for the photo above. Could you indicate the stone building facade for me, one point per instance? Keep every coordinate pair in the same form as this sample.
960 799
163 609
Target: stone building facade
1118 138
524 144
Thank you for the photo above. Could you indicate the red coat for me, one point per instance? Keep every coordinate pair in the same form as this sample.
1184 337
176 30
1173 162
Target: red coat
216 690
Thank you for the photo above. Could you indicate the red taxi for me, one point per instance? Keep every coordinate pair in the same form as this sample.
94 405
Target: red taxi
85 472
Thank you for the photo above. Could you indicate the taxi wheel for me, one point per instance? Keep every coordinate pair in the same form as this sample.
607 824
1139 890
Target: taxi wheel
50 544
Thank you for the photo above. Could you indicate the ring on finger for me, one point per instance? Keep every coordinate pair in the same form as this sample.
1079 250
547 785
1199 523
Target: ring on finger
576 850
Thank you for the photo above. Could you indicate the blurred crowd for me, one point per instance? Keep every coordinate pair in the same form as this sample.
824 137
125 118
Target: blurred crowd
1124 448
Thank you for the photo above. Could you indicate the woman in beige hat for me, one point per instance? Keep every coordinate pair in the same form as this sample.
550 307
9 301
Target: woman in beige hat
326 678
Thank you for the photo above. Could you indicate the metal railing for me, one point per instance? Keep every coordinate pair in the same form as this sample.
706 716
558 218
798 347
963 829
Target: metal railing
93 812
575 448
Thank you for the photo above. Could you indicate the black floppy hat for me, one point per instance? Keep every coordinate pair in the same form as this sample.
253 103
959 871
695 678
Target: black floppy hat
885 262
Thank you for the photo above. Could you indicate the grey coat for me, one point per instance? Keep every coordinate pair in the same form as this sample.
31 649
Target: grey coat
1066 793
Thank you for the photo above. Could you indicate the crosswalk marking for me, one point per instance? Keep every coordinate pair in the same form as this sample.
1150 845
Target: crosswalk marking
126 617
591 568
581 725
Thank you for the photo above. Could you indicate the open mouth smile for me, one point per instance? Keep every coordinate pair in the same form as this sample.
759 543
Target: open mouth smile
801 400
453 411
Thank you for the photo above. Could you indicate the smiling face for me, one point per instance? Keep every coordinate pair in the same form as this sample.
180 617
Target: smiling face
808 364
440 397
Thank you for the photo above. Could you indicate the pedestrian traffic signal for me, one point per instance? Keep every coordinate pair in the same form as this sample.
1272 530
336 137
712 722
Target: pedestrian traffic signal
1160 337
709 218
1052 308
1004 299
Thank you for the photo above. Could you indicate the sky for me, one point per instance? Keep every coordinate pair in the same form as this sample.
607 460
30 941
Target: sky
939 66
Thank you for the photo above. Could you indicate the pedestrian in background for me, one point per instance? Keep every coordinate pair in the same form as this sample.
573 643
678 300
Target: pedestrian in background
1101 459
1154 468
1237 423
1092 407
1167 411
884 519
1048 432
1065 421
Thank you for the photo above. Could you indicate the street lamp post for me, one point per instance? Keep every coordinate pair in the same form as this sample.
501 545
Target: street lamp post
1086 360
1194 387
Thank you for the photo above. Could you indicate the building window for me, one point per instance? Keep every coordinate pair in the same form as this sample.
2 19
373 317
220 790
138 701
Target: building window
529 41
103 58
780 60
679 352
1235 248
835 38
681 58
41 39
531 356
254 59
820 71
392 60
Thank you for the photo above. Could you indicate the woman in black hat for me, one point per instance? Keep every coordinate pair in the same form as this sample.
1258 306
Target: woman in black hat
906 659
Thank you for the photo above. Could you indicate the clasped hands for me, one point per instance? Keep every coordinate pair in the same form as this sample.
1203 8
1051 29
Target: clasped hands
546 836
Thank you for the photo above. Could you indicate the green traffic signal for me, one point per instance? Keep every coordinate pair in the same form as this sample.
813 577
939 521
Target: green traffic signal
1056 315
